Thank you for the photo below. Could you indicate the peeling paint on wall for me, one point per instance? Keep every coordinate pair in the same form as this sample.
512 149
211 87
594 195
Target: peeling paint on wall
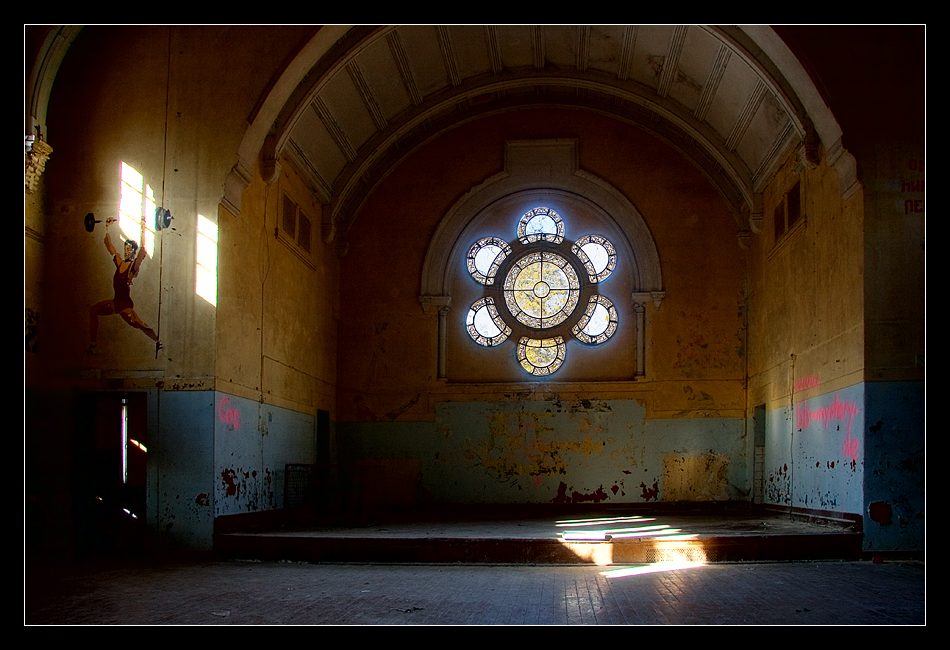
524 444
894 455
650 492
880 512
522 451
816 451
596 496
230 483
247 488
778 486
249 461
696 478
704 345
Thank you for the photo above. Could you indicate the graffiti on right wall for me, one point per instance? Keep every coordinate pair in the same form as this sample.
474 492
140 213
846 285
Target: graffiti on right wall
837 411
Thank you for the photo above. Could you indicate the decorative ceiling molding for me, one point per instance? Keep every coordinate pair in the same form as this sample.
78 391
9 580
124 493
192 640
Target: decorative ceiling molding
732 99
712 83
670 64
43 71
722 167
366 93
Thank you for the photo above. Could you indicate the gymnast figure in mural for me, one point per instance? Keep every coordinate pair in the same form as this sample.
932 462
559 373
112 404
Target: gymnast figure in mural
126 268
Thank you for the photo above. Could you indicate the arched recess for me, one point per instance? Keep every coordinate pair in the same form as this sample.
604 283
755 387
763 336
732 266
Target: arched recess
535 168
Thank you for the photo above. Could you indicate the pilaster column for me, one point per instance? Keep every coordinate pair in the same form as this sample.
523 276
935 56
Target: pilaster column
640 310
36 159
640 299
443 303
443 332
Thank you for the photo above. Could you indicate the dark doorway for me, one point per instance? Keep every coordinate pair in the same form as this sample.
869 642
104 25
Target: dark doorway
325 468
111 449
758 433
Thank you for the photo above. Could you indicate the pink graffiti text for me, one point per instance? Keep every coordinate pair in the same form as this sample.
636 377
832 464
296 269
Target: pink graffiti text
849 448
810 381
836 412
228 415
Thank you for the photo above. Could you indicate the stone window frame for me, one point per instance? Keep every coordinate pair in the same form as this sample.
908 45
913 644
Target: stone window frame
292 240
542 168
788 215
549 284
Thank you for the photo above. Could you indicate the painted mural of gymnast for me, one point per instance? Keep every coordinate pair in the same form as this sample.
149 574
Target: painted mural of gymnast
126 269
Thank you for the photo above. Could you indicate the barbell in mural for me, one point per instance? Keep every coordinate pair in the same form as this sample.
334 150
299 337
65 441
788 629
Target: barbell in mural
127 267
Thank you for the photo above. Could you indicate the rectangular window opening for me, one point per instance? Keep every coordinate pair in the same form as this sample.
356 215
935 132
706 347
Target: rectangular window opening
206 263
794 203
289 217
295 230
788 212
303 232
136 216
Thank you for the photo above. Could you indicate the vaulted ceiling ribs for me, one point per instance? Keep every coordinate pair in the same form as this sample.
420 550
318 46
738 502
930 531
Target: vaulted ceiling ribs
389 89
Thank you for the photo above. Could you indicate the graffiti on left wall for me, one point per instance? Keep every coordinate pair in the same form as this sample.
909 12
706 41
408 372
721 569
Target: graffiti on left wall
231 417
127 267
32 329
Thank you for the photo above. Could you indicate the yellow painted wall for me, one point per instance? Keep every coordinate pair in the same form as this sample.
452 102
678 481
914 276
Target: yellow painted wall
277 312
806 303
695 353
172 103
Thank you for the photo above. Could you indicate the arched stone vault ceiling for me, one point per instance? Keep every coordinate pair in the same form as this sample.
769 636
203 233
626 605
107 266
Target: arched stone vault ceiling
356 101
719 94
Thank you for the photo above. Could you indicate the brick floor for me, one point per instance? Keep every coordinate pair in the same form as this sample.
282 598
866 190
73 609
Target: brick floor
295 593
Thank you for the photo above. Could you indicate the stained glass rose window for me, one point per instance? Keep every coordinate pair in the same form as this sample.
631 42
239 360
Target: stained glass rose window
541 290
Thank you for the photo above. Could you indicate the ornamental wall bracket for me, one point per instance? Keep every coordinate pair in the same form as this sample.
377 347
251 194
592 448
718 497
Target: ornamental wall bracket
36 159
641 297
442 302
327 225
744 236
237 180
756 214
809 155
270 162
270 170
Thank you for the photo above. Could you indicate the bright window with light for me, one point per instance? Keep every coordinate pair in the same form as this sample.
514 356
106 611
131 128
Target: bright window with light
206 267
136 208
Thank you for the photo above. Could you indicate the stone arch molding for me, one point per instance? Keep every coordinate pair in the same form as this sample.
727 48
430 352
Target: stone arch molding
533 168
347 125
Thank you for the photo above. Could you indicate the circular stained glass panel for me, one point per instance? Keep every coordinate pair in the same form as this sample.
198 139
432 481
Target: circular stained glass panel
484 324
541 290
541 356
541 224
598 323
485 256
598 256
